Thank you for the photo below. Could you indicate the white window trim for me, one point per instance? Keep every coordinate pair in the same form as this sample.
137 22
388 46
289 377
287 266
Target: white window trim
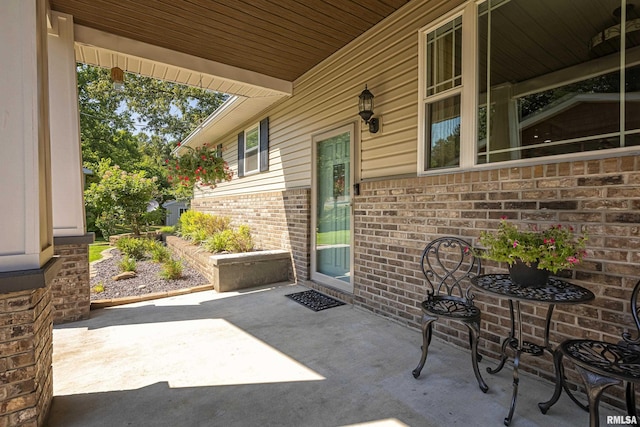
467 97
469 100
256 149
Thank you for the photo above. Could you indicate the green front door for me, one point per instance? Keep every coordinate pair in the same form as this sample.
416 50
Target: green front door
332 208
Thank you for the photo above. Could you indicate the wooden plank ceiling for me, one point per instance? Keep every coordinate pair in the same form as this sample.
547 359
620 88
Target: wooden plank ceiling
278 38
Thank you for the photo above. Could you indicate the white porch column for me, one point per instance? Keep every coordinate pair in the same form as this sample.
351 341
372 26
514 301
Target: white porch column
66 152
27 265
26 228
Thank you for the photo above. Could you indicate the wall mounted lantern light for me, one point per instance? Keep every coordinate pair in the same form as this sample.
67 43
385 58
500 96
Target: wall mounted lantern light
365 109
117 77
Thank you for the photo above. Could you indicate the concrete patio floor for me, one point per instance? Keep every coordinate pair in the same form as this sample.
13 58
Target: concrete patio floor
257 358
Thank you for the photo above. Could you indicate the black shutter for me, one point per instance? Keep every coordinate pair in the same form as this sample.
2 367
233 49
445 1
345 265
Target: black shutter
240 154
264 145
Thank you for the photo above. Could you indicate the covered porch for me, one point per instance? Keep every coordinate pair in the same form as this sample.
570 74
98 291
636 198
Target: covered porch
259 358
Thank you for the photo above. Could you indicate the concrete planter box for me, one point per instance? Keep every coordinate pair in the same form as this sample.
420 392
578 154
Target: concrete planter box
230 272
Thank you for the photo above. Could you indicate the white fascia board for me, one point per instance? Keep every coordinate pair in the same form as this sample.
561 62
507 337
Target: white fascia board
195 137
234 113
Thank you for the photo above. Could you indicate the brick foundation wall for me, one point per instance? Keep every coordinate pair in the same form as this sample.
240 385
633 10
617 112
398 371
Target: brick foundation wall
278 220
395 218
70 290
26 332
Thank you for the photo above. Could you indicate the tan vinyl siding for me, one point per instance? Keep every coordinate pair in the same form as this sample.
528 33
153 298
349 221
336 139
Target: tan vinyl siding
386 59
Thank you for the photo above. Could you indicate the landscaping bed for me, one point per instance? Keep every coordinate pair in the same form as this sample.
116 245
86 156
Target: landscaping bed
146 283
229 272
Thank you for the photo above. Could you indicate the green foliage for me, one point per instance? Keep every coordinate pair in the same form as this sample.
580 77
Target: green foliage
214 232
198 226
167 229
554 249
202 166
171 269
133 247
159 253
127 264
136 129
120 199
95 250
230 241
99 288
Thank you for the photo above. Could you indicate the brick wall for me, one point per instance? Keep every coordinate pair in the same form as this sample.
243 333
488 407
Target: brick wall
26 387
278 220
395 218
70 290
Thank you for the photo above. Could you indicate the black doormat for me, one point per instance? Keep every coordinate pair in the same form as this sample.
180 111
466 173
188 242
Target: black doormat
315 300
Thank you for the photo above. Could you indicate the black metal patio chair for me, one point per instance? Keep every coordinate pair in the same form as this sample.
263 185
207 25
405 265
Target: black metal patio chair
448 263
602 364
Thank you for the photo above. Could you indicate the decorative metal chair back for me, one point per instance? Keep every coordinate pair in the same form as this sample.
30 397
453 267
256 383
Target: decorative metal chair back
448 263
635 312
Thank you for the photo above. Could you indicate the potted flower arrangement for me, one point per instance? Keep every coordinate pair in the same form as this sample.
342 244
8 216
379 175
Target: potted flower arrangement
533 255
202 165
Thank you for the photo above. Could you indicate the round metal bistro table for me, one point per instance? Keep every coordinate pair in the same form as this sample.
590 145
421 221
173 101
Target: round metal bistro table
555 291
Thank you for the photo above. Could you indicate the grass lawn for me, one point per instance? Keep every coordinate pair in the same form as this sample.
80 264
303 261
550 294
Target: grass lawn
95 249
333 237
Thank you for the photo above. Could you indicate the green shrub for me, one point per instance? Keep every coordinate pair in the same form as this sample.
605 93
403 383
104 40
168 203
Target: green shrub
120 199
159 253
243 241
219 242
99 288
127 264
167 229
230 241
198 226
133 247
171 269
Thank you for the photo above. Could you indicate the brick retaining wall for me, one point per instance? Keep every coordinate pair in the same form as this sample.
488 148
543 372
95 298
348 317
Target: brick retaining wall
278 220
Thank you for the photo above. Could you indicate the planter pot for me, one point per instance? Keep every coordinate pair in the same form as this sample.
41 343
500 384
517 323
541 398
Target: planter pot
528 275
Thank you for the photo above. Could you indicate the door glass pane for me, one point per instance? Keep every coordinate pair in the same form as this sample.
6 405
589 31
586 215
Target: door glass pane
333 207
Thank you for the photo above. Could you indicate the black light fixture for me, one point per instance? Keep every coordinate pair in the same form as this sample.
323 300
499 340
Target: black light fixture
365 109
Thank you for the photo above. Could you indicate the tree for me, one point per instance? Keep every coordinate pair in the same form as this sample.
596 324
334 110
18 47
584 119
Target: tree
136 128
121 199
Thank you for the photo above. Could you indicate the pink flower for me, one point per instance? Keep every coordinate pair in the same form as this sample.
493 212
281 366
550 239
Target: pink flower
503 217
515 243
573 260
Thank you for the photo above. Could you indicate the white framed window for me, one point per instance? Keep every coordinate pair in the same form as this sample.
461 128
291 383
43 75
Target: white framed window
518 81
252 150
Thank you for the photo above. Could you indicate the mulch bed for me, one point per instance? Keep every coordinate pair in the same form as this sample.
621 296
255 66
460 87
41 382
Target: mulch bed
147 281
